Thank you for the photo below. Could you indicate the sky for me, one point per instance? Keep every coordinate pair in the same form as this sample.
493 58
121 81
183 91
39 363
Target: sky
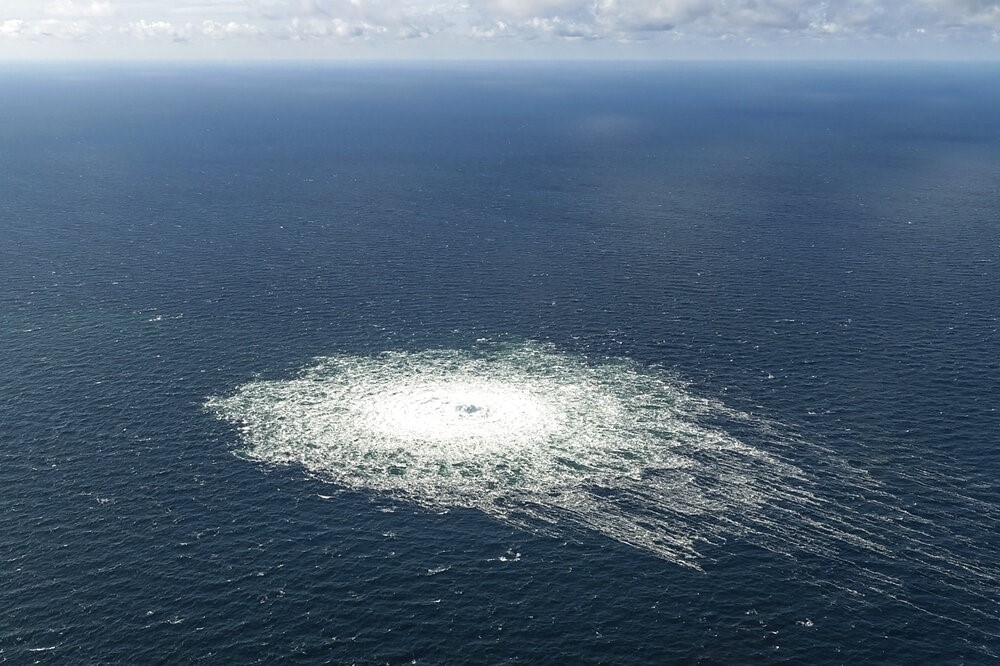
129 30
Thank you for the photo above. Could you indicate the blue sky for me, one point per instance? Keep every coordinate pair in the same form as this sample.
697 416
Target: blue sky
404 29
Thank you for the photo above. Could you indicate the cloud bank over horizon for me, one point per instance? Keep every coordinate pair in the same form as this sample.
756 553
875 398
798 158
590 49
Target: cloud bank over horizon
162 29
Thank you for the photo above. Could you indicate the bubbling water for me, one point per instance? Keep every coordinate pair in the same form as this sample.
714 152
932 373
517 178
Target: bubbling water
558 444
468 414
523 433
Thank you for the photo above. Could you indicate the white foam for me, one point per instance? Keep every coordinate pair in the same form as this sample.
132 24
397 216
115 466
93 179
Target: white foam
523 433
555 442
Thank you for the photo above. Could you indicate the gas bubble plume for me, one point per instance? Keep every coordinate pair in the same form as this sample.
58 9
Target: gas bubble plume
530 436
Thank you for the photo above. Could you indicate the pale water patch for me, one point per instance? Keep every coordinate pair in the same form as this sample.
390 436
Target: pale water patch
534 437
557 443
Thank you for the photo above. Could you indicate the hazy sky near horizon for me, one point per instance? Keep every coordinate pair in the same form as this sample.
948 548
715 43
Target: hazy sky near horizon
344 29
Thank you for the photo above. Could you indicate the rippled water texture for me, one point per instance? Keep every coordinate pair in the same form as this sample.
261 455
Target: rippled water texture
539 438
500 364
555 442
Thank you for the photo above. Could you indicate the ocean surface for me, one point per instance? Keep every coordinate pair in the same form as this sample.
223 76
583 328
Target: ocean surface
582 363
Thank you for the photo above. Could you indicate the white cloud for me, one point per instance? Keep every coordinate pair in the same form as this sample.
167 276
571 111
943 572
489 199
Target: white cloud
158 30
984 13
529 9
319 28
460 27
47 29
12 28
62 29
219 30
70 9
650 15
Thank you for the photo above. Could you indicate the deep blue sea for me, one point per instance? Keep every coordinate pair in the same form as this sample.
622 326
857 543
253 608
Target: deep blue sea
487 364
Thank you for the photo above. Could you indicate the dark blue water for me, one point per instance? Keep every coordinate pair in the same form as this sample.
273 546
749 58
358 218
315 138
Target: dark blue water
815 246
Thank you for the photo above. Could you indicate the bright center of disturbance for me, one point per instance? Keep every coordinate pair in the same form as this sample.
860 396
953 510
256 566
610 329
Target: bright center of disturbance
456 412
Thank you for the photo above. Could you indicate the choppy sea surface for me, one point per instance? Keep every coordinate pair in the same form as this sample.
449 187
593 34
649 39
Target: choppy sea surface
500 364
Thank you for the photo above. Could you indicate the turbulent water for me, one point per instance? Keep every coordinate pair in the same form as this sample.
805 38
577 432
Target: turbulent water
552 441
500 364
522 433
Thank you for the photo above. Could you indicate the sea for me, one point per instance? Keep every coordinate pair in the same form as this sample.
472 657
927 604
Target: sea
500 363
